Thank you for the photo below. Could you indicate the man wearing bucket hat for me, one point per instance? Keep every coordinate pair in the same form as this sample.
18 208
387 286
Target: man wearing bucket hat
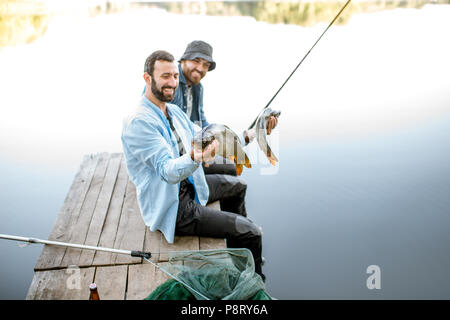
196 61
194 64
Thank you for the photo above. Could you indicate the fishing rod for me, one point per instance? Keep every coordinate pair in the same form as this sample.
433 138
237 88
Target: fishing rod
141 254
301 61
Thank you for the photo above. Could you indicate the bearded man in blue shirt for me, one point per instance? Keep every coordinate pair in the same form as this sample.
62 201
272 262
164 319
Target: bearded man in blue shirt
171 189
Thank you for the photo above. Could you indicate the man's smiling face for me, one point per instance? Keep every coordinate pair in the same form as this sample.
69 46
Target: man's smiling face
194 70
164 80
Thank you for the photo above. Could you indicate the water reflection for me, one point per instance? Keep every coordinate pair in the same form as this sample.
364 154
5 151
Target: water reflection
304 13
22 28
23 21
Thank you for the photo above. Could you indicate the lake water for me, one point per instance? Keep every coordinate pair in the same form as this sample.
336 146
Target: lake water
363 138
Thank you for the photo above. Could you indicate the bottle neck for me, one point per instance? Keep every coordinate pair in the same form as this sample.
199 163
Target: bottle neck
94 293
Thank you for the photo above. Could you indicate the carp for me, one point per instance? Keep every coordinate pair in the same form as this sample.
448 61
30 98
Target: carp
229 147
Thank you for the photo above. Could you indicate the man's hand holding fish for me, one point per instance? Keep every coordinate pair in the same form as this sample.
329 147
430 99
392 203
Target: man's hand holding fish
206 155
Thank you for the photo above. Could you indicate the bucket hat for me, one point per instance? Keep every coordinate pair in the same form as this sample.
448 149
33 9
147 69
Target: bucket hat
199 49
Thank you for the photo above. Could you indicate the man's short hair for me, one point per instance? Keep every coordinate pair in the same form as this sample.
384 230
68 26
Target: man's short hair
157 55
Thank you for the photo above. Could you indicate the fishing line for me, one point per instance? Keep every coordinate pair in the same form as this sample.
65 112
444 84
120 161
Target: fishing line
298 65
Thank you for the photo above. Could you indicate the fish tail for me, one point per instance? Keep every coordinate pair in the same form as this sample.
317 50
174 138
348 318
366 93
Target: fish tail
247 162
239 168
271 156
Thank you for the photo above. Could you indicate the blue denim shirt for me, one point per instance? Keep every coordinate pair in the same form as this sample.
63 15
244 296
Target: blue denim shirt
180 99
155 166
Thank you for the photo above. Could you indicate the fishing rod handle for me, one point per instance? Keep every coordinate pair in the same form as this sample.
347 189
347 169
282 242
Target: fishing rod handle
141 254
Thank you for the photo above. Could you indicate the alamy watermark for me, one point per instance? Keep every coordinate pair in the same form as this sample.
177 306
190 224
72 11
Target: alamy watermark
374 280
73 282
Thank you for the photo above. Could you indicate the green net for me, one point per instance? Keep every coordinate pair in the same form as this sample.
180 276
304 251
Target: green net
223 274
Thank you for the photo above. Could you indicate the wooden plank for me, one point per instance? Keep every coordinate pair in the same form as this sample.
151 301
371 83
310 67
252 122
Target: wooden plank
214 205
131 231
35 285
63 284
152 243
140 279
111 282
180 243
51 256
143 279
111 225
101 209
79 231
212 243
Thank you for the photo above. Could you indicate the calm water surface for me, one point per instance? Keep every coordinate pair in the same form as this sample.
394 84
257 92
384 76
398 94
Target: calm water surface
363 138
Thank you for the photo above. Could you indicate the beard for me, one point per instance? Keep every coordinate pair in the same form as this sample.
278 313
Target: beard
196 77
159 93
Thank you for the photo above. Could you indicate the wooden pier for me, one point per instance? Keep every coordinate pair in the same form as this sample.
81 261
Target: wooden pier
101 209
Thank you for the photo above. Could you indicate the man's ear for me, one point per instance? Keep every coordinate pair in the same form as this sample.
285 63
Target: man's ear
147 78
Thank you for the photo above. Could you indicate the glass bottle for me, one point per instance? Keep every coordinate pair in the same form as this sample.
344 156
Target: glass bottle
94 293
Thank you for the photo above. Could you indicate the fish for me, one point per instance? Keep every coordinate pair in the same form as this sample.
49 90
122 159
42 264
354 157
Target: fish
230 146
260 128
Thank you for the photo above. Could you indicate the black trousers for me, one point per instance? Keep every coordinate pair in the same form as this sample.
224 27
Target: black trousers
221 166
230 222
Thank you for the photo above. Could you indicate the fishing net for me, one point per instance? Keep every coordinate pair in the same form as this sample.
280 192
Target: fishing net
223 274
